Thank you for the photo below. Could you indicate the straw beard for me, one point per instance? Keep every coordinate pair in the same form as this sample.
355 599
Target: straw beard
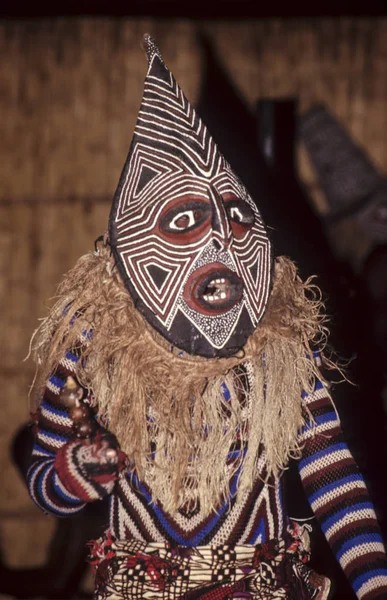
169 412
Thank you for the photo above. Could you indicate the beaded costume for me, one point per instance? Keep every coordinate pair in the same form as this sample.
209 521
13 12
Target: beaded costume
209 385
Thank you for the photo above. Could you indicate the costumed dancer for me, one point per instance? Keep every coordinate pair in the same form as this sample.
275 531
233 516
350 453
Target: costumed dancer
195 361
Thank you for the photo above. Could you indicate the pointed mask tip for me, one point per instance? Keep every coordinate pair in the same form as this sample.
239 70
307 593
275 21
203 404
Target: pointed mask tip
150 47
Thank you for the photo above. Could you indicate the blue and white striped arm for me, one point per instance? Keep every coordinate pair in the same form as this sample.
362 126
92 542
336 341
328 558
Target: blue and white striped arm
53 432
339 498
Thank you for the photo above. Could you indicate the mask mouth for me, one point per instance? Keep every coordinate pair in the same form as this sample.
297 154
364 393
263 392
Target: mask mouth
213 289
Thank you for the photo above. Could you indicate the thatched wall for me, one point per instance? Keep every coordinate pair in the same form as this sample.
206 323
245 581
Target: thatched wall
69 94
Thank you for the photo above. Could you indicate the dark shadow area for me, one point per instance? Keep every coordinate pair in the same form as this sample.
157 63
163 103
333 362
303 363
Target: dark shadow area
217 9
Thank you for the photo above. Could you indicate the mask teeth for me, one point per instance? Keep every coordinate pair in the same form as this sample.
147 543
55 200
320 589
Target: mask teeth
151 48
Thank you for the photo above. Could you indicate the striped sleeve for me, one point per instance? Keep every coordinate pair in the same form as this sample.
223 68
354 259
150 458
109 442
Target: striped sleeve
339 498
54 431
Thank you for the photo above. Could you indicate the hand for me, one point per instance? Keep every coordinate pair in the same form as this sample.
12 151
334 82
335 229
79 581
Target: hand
89 468
101 455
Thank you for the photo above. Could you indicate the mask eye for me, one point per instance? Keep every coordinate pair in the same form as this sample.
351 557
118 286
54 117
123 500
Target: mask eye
185 218
240 212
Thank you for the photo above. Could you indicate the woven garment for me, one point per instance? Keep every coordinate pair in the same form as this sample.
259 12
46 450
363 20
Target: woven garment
276 570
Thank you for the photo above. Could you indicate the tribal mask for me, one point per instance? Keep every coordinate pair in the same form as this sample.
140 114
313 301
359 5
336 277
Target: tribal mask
188 239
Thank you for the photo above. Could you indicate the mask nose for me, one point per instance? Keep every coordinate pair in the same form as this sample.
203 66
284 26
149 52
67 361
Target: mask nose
221 230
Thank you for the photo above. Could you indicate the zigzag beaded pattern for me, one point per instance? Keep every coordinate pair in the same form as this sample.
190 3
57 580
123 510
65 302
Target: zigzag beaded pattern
257 518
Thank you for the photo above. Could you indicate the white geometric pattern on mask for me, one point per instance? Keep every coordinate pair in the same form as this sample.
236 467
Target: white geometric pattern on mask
173 155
